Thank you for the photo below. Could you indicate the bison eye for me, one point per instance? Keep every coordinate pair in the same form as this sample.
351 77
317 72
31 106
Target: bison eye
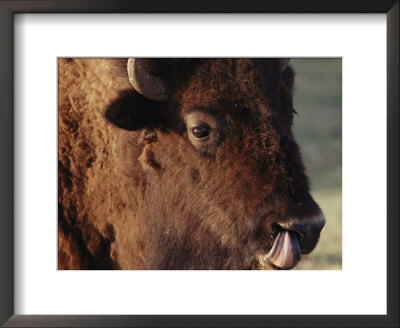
205 131
201 131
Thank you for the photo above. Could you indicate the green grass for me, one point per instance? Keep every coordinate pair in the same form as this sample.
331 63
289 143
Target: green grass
318 130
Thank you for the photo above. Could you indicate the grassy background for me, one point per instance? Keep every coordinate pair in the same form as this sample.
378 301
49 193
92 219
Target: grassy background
318 130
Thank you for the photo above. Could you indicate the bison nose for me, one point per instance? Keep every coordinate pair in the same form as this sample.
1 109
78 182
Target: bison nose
307 229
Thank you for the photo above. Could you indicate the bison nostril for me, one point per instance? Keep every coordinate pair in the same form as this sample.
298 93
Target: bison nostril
304 226
307 229
301 229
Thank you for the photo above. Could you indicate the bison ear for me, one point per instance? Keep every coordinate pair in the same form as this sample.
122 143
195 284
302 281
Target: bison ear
284 62
131 111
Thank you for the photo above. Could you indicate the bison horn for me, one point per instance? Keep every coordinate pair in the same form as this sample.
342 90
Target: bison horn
152 87
284 63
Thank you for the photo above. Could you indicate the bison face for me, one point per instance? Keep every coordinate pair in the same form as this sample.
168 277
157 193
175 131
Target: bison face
225 186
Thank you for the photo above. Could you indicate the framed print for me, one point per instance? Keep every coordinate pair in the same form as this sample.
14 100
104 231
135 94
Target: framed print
56 260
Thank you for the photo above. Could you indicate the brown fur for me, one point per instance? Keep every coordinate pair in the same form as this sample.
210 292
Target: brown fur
144 197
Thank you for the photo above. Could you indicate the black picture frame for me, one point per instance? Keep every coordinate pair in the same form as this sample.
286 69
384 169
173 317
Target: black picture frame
7 11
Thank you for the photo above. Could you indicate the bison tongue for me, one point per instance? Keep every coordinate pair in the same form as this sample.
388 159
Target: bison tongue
285 253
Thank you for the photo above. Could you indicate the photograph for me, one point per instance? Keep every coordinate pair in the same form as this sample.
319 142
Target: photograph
176 164
199 163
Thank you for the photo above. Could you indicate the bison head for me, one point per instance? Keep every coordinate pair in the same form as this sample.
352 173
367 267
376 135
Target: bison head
222 183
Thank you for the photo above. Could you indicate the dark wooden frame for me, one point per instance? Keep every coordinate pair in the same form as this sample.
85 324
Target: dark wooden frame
7 11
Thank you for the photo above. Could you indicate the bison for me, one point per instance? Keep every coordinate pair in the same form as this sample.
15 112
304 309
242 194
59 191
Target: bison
186 163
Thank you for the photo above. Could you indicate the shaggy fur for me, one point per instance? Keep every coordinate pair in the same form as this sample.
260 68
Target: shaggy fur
141 193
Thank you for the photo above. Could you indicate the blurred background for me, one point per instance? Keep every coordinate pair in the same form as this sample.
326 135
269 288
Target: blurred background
318 131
